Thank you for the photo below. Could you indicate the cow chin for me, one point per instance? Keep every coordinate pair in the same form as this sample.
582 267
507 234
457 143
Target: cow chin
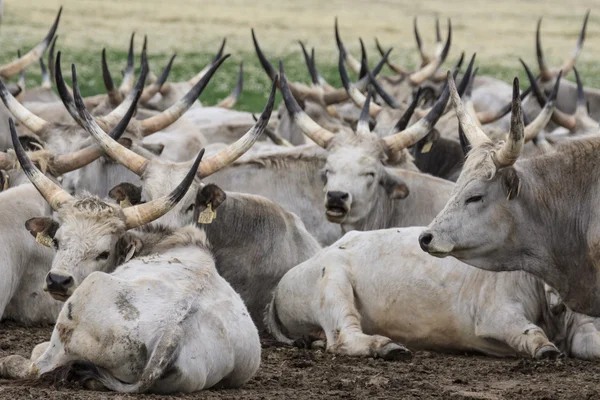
336 214
60 296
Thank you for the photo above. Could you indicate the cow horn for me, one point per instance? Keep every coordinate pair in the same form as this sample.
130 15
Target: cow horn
420 76
425 59
54 194
128 75
131 97
541 120
439 45
173 113
142 214
156 86
16 66
569 64
206 69
352 62
22 114
46 82
230 101
314 75
355 94
113 149
558 117
511 150
319 135
581 108
474 135
396 68
114 96
235 150
419 130
64 163
408 113
362 128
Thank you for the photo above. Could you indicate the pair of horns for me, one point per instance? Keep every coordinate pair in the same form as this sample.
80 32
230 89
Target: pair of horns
133 217
473 135
546 73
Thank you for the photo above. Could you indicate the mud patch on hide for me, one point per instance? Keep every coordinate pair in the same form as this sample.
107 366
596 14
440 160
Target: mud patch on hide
127 310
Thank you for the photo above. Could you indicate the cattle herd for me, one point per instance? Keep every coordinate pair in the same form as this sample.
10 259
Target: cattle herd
161 237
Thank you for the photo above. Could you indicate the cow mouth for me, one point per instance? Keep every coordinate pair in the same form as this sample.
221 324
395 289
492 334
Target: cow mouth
60 296
336 214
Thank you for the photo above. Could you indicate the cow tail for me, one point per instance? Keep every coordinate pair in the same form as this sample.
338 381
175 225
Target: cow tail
273 324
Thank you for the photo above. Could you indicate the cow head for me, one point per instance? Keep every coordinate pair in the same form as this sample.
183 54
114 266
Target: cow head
89 235
482 195
356 171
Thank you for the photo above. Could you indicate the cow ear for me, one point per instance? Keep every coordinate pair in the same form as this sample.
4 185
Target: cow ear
424 145
208 198
510 182
127 194
127 246
31 143
394 186
42 229
154 148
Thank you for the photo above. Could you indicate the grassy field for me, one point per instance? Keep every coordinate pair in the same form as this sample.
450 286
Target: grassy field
500 32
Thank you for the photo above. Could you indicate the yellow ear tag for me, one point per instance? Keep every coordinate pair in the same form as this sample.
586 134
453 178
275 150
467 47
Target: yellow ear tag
125 203
208 215
43 239
427 147
6 180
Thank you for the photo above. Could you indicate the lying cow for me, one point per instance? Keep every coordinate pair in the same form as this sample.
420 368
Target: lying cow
371 291
165 321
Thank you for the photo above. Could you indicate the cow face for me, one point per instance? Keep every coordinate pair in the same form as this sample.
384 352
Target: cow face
84 242
478 224
355 178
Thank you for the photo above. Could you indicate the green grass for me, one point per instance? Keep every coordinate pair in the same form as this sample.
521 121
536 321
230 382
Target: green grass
256 83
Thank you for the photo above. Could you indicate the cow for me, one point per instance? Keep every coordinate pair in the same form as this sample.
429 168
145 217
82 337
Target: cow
373 293
533 214
197 336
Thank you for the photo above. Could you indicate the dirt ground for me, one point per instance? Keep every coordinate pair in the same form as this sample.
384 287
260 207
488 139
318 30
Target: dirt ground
306 374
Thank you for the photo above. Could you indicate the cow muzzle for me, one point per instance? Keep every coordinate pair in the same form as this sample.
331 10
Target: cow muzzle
337 206
431 244
59 286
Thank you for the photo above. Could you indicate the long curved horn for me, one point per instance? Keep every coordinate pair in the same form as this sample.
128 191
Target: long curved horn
131 97
310 128
569 63
156 86
511 150
396 68
114 96
142 214
13 68
558 117
418 131
357 97
22 114
425 59
46 82
128 75
544 116
420 76
474 135
223 158
581 108
54 194
205 70
364 61
362 127
113 149
314 75
489 116
172 114
407 115
544 70
230 101
64 163
439 45
352 62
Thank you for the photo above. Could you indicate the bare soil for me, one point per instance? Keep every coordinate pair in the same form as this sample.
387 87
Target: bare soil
294 373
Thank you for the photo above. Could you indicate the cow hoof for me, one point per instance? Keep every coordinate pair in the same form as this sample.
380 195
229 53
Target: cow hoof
548 353
394 352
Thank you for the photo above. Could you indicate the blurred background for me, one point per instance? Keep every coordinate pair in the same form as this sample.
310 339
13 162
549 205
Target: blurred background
499 31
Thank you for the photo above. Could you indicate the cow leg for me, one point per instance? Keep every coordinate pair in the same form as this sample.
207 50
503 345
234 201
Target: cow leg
340 320
39 350
17 367
512 328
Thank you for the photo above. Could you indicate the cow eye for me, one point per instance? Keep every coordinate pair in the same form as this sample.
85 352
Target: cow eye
55 244
190 208
103 256
473 199
370 174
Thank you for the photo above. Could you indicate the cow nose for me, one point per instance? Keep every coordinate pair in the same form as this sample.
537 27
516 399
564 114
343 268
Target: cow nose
425 240
58 282
335 195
